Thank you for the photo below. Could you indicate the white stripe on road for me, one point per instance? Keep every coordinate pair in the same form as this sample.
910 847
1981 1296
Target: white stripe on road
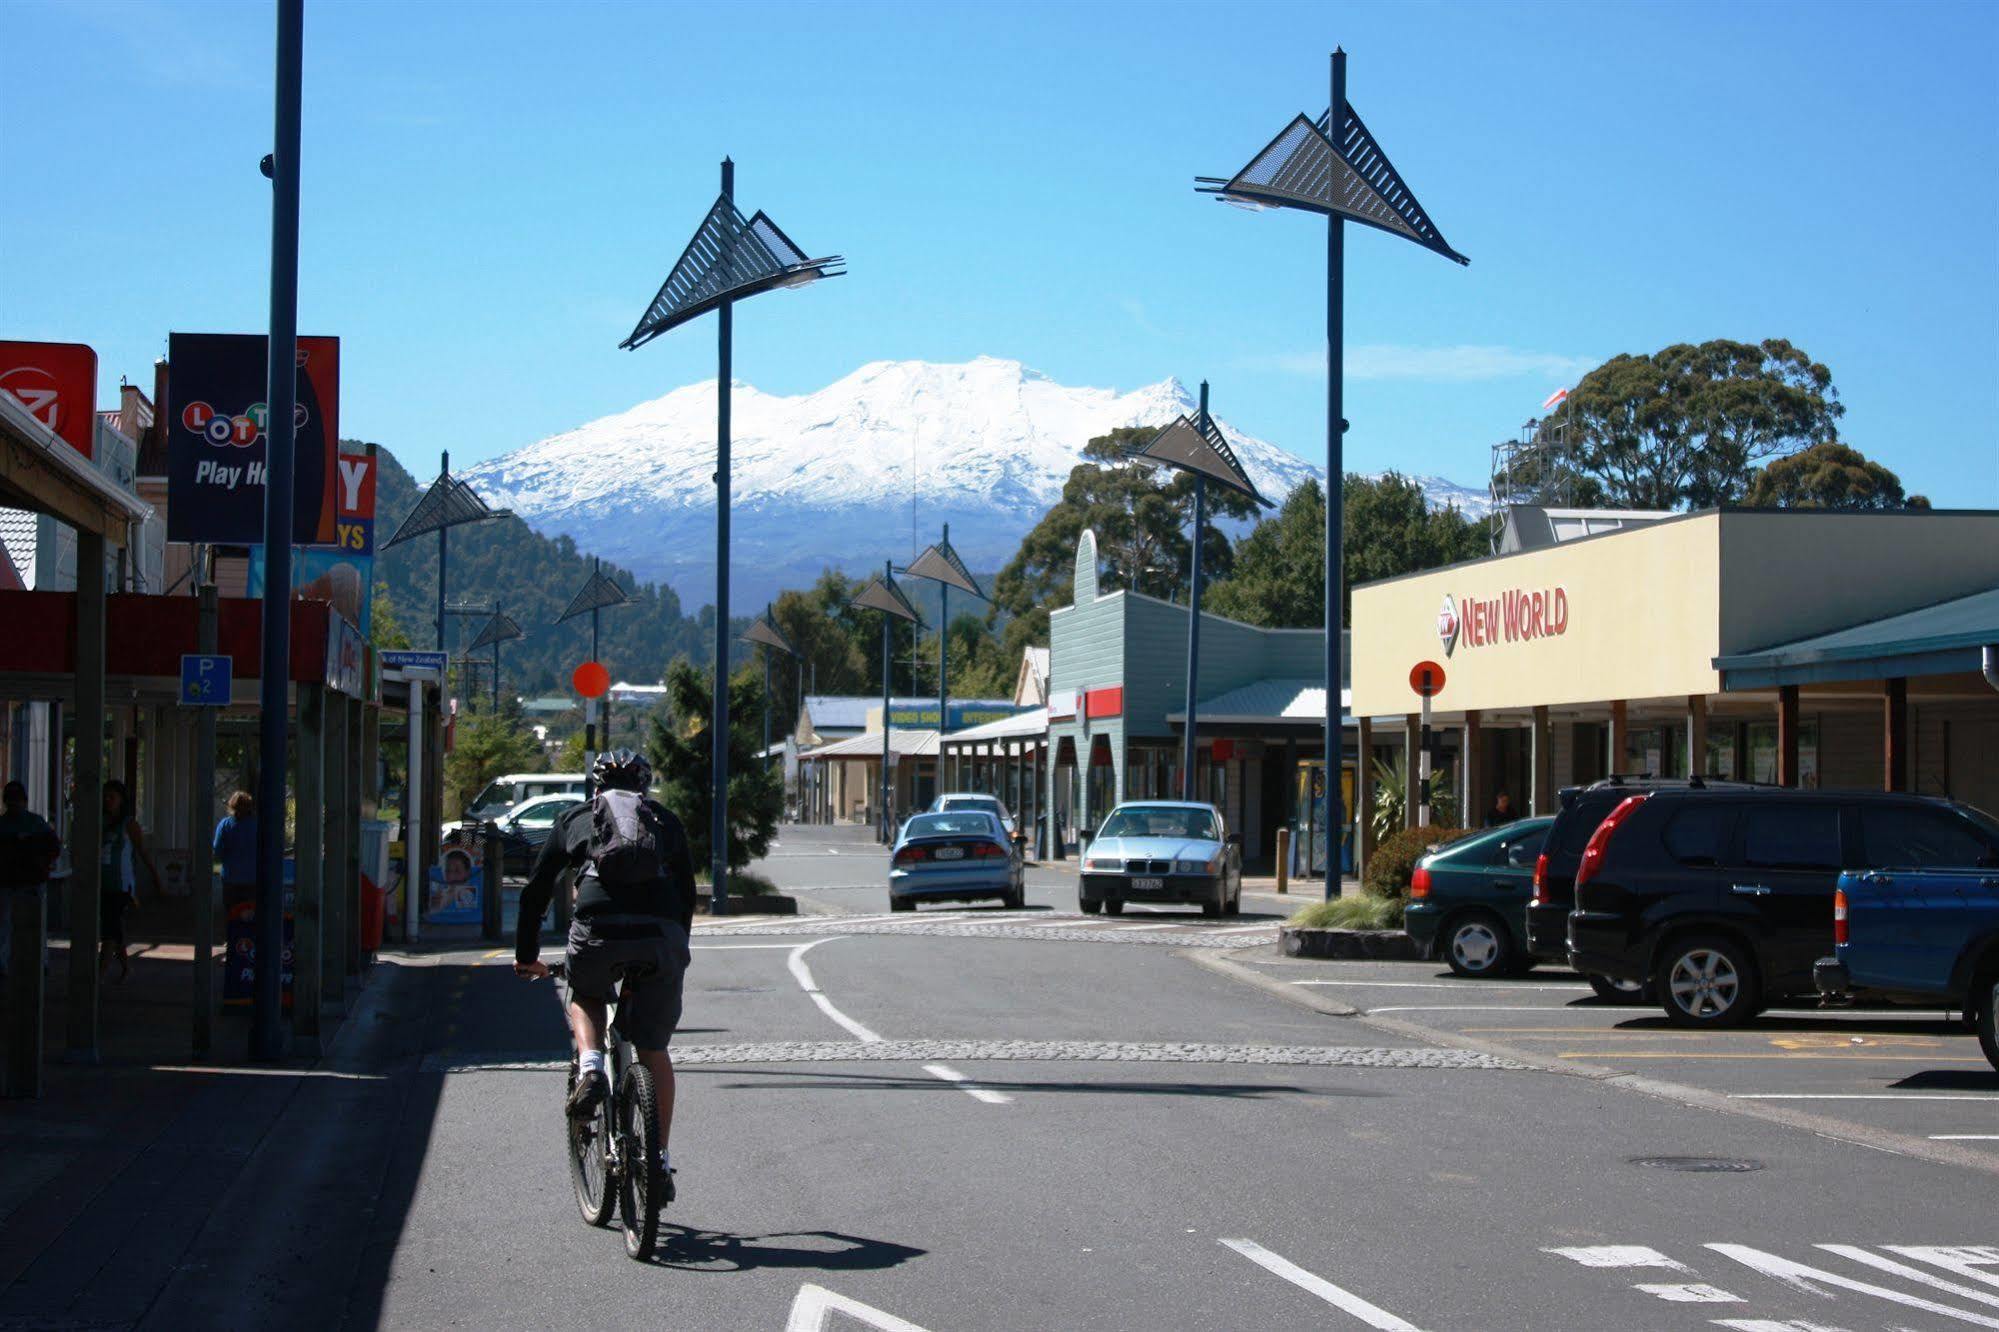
965 1084
1857 1096
1460 1008
724 948
1432 985
1167 926
1244 929
1807 1280
1690 1293
1618 1255
803 975
1908 1273
1964 1137
1371 1314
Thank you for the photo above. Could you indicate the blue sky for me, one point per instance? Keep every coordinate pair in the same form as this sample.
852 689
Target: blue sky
492 193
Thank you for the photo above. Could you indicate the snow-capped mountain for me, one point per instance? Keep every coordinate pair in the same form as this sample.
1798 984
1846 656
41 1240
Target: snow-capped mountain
862 470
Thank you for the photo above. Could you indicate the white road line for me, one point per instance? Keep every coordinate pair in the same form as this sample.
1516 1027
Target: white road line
1964 1137
1965 1260
1244 929
1167 926
1619 1255
1692 1293
725 948
1460 1008
1432 985
803 975
1371 1314
1067 921
965 1084
1774 1325
1808 1280
1857 1096
1908 1273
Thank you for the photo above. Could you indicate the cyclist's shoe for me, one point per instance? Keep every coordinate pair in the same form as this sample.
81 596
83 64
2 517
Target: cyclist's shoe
588 1095
663 1182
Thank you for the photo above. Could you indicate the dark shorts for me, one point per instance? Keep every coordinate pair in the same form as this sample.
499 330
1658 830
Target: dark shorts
111 906
598 947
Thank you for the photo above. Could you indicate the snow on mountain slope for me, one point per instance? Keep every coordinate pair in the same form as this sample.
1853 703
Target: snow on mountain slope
838 477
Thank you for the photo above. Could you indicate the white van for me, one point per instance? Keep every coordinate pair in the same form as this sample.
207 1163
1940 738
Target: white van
503 793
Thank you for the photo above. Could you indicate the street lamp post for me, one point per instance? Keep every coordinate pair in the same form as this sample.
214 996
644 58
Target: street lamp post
882 594
1335 167
764 631
1198 448
941 565
729 259
597 593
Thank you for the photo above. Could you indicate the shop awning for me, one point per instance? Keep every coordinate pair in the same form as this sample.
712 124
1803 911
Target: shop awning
860 748
1280 706
1945 639
1022 726
39 472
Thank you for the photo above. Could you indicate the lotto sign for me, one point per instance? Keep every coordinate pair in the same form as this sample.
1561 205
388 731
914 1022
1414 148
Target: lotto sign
216 440
57 383
354 503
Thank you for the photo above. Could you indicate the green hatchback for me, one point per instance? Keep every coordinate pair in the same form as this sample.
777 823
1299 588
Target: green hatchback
1468 900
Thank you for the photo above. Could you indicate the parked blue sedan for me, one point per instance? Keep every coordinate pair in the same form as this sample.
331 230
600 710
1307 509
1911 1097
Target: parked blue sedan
956 856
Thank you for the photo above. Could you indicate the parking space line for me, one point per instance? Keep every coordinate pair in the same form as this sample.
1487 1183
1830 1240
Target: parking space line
966 1085
1371 1314
1428 985
1457 1008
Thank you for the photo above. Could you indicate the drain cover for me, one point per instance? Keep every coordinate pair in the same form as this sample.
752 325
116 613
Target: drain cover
1699 1165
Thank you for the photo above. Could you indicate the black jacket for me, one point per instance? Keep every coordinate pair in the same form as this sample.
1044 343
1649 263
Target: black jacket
568 846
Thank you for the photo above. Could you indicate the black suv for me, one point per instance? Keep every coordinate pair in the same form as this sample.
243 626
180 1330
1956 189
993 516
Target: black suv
1723 897
1583 808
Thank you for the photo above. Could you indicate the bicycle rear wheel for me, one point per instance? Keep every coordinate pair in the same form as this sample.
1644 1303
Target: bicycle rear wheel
638 1148
589 1161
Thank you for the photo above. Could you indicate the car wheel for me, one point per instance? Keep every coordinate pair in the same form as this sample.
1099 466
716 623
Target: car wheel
1707 980
1014 900
1213 909
1090 908
1477 945
900 904
1113 907
1619 992
1986 998
1234 908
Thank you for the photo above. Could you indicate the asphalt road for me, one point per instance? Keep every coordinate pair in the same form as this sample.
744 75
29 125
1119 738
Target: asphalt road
978 1119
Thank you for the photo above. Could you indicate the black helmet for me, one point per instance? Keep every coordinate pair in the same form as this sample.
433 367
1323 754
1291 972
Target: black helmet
621 770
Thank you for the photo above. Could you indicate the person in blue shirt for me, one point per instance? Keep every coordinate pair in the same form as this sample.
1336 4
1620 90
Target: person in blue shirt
236 846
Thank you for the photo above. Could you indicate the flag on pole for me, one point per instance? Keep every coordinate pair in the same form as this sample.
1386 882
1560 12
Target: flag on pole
1555 399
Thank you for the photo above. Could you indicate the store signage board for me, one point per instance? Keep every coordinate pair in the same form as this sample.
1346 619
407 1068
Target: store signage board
216 440
1517 615
426 662
1063 704
206 680
57 383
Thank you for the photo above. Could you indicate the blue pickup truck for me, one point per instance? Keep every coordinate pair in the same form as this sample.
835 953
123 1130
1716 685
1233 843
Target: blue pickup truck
1928 936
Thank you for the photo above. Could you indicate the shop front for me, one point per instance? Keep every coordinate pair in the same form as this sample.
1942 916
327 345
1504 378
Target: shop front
1637 651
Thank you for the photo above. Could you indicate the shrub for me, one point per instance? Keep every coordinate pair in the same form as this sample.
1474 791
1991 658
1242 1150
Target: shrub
1362 911
1389 868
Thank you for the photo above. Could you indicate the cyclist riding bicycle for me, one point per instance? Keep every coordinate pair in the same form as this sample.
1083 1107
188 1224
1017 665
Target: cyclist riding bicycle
634 909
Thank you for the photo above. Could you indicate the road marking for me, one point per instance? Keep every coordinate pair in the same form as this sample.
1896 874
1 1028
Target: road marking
1861 1096
1428 985
815 1304
1456 1008
965 1084
726 948
1126 929
1908 1273
803 975
1693 1293
1807 1280
1856 1057
1964 1137
1371 1314
1774 1325
1619 1255
1965 1260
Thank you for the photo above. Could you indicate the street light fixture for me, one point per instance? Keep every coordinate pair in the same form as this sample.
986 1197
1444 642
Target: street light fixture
729 259
502 628
445 504
1197 448
941 565
598 593
763 631
1333 166
882 594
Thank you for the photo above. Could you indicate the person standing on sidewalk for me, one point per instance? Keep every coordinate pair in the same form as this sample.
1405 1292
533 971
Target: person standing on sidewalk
28 848
118 861
236 845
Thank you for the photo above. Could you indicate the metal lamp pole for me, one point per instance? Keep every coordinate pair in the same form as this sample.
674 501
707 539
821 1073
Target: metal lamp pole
888 567
1336 475
1191 742
718 823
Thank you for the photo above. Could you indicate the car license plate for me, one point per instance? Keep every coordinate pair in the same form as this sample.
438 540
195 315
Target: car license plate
950 853
1148 885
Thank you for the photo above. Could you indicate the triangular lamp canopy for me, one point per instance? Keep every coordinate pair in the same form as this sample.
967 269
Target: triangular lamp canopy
940 563
1189 447
448 503
883 595
597 594
728 259
500 629
1307 167
762 631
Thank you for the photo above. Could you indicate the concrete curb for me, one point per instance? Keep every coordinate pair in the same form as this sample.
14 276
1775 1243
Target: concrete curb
1823 1126
767 904
1371 945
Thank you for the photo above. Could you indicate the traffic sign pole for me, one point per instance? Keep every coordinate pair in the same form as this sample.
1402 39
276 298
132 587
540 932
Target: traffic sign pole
1427 679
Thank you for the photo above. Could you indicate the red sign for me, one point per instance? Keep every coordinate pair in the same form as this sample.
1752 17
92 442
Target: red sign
1514 616
1104 702
1427 678
591 680
57 383
354 503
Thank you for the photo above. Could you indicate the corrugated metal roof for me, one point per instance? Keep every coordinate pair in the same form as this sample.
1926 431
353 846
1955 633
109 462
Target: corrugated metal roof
838 712
1963 622
904 743
1006 728
1267 701
17 536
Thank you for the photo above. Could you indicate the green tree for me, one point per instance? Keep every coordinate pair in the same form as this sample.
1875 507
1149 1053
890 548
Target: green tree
682 753
1830 476
385 628
488 743
1686 426
1390 529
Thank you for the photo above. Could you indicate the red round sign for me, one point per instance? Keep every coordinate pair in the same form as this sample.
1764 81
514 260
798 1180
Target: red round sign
1427 678
591 680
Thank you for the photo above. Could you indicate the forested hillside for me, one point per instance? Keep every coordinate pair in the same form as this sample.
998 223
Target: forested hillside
533 578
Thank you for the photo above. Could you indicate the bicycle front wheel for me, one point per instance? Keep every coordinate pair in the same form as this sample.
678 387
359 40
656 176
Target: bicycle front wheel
638 1148
589 1162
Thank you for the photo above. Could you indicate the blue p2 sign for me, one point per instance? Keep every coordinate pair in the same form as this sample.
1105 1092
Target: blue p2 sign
205 681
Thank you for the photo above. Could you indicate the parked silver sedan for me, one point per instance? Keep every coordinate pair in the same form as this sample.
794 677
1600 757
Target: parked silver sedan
956 856
1167 851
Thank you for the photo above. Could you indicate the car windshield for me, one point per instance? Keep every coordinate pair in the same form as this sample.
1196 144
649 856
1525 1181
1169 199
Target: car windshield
1986 823
497 795
544 813
1160 821
966 823
986 803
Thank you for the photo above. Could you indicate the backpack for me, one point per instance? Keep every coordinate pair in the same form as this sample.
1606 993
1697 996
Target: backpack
627 844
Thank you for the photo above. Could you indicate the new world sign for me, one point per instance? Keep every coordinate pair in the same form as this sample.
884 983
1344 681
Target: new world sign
1514 616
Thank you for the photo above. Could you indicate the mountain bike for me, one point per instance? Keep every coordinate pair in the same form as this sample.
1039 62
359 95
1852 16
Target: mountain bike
611 1153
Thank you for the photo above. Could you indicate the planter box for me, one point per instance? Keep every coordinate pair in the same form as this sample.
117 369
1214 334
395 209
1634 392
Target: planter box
770 904
1379 945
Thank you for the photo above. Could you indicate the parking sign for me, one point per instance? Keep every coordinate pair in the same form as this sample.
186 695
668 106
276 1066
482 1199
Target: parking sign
205 680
